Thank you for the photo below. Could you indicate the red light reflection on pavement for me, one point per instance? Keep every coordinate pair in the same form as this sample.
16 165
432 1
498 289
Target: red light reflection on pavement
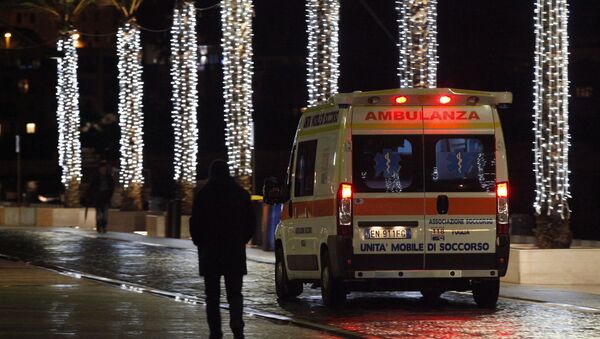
424 326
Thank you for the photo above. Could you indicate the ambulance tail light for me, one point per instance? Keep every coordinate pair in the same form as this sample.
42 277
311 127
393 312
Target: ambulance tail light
502 203
344 206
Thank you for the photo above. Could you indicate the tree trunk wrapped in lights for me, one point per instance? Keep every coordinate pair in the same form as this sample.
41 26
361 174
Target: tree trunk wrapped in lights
551 124
130 115
238 68
417 25
67 111
184 72
322 18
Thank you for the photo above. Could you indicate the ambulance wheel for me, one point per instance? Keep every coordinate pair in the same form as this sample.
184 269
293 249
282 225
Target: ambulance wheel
431 295
486 292
332 290
284 288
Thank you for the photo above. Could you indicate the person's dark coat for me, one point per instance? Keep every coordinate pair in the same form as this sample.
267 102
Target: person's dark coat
101 189
222 222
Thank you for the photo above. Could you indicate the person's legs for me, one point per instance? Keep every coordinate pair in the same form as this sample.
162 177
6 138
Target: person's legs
212 290
104 218
233 285
99 218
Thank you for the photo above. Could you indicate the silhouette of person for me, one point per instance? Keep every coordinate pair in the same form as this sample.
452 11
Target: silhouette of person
99 194
222 223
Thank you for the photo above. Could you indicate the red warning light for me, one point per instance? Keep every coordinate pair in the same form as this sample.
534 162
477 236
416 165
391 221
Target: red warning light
401 99
444 99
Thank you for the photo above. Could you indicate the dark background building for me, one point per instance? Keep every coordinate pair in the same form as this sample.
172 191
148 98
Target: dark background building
482 45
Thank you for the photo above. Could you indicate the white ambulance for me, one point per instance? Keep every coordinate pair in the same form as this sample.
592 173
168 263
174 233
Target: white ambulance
403 189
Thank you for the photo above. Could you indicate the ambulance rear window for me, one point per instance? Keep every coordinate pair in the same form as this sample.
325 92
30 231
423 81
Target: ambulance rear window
387 163
455 163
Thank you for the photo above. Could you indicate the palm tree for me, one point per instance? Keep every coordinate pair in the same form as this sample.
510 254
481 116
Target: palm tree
67 89
551 124
238 69
130 105
184 70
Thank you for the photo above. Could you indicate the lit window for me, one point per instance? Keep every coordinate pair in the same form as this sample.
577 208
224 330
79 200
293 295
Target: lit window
30 128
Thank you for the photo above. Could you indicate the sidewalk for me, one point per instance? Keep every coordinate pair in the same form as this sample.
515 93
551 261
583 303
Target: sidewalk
38 303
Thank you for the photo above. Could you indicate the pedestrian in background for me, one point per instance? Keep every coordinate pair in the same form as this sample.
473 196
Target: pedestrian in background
222 223
100 193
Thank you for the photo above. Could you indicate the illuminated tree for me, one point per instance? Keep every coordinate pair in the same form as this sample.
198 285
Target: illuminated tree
322 18
417 25
184 73
238 69
551 124
131 119
67 89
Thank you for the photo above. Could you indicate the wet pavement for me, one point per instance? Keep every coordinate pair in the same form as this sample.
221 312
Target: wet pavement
168 266
39 303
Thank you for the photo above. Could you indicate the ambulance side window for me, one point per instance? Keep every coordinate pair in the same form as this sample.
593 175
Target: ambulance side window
305 168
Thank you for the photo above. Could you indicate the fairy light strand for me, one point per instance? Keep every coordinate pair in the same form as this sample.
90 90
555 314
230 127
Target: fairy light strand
130 105
417 27
238 69
550 106
67 93
184 73
322 19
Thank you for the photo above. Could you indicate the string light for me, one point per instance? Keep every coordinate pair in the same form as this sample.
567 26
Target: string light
550 106
130 105
236 20
322 19
417 26
184 75
67 111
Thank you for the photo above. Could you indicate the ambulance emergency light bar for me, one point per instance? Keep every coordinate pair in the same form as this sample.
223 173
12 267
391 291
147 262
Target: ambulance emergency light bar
422 96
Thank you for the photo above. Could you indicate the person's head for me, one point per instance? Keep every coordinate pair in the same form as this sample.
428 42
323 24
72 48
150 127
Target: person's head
219 170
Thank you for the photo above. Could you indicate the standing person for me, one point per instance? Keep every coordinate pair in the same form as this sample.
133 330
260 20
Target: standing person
100 193
222 223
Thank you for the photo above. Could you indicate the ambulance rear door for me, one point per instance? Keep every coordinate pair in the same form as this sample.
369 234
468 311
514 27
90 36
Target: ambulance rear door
459 182
387 180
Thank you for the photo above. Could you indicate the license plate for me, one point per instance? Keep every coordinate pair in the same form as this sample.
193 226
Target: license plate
397 232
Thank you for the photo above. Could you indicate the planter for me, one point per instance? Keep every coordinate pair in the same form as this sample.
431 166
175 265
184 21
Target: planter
530 265
66 217
155 225
17 216
126 221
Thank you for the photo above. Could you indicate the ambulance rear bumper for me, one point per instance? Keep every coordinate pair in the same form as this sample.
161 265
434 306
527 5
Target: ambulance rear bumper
426 274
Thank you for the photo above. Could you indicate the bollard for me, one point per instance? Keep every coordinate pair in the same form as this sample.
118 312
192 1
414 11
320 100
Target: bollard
173 222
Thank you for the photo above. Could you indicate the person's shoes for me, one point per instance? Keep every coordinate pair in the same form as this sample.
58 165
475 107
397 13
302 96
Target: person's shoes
215 336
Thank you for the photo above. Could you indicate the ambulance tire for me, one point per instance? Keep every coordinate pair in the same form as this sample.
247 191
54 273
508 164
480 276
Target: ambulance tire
284 288
486 293
333 291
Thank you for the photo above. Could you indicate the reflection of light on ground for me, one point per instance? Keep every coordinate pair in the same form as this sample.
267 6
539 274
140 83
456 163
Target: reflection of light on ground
425 325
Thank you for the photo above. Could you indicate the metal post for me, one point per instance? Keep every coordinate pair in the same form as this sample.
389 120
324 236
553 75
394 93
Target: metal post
18 151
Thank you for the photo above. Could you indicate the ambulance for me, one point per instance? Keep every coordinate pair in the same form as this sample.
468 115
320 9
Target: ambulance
402 189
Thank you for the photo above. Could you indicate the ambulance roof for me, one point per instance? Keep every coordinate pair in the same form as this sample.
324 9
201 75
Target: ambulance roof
358 97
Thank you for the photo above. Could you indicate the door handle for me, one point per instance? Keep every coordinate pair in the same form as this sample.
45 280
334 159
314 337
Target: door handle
442 204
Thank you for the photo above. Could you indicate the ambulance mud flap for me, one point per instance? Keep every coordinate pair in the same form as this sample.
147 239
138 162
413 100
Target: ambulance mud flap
340 252
502 253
